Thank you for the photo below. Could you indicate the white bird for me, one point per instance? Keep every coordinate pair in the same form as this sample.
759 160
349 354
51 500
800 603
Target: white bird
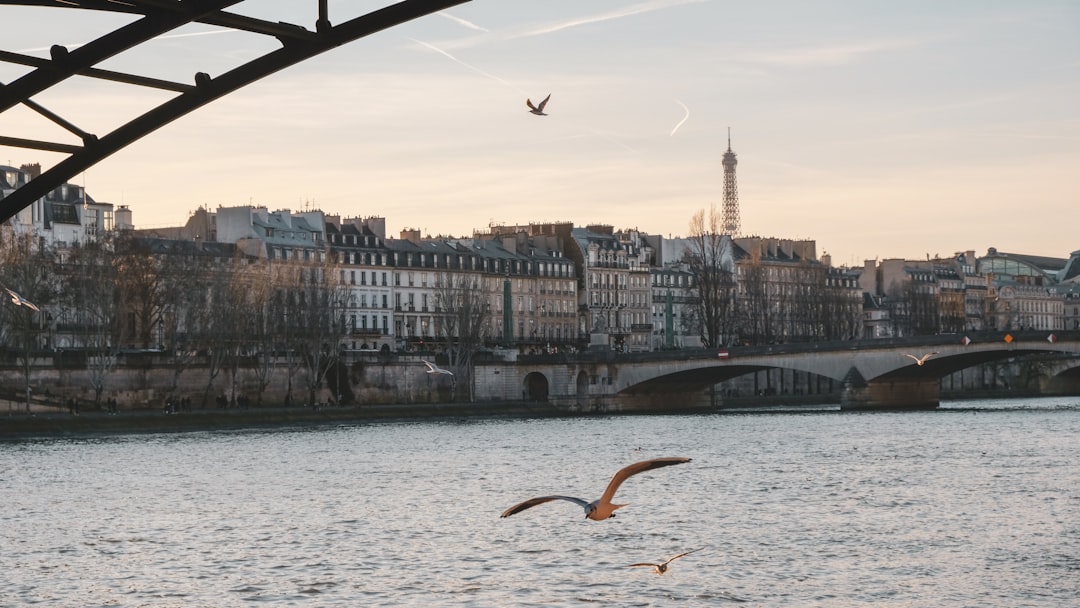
663 567
538 109
18 300
435 369
921 360
601 508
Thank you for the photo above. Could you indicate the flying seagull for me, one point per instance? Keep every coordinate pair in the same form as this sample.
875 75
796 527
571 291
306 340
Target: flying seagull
538 109
435 369
601 508
921 360
662 568
18 300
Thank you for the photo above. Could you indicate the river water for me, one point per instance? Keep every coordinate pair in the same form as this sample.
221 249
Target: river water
976 504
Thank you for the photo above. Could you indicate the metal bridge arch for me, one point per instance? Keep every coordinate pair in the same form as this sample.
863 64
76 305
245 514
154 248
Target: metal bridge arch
157 17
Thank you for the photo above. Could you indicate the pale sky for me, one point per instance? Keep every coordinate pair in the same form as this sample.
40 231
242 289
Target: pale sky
877 128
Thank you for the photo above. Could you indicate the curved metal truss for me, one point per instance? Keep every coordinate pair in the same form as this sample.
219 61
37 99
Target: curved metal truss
159 17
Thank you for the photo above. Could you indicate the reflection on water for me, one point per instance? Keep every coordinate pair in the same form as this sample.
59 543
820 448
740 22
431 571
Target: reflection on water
976 504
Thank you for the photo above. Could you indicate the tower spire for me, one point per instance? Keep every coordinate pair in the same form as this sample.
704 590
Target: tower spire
731 191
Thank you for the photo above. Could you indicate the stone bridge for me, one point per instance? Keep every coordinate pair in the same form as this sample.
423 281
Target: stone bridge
875 374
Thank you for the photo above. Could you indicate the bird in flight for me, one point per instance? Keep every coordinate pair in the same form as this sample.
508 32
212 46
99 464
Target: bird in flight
18 300
663 567
538 109
921 360
601 508
435 369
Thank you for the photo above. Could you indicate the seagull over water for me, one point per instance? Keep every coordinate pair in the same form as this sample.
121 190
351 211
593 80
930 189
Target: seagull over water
18 300
663 567
601 508
538 109
921 360
435 369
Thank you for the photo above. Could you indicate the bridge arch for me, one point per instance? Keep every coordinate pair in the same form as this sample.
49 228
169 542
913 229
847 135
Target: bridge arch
536 387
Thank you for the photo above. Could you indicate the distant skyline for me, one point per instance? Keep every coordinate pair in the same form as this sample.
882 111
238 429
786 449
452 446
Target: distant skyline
877 129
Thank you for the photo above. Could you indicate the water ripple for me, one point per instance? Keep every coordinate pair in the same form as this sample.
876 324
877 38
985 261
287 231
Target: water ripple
927 508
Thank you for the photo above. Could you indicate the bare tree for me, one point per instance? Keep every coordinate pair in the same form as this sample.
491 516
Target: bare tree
89 294
262 325
709 260
25 268
320 302
755 306
220 323
463 321
142 287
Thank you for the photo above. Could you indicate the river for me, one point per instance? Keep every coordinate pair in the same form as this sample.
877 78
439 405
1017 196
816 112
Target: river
975 504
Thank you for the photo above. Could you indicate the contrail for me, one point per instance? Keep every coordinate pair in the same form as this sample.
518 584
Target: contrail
471 67
684 118
463 22
74 45
636 9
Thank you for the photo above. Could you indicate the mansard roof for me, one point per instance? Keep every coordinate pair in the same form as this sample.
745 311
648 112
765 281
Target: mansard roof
778 255
162 246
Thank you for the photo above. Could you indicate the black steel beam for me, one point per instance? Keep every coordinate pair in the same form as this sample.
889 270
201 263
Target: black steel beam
296 48
66 64
143 81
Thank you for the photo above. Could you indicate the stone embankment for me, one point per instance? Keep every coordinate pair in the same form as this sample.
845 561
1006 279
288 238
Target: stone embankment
48 422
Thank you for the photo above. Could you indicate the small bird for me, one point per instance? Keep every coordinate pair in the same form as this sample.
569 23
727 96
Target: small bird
538 109
601 508
662 568
921 360
435 369
18 300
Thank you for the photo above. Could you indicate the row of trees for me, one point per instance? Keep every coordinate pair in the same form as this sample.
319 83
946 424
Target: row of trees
204 304
756 301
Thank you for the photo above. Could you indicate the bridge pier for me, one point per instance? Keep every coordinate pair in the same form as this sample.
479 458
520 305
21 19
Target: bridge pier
901 394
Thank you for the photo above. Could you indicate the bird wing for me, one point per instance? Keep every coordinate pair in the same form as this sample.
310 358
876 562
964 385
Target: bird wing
644 564
681 555
912 357
543 103
528 102
532 502
638 467
430 367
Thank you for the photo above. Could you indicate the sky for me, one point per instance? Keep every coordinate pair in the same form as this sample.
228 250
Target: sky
879 129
